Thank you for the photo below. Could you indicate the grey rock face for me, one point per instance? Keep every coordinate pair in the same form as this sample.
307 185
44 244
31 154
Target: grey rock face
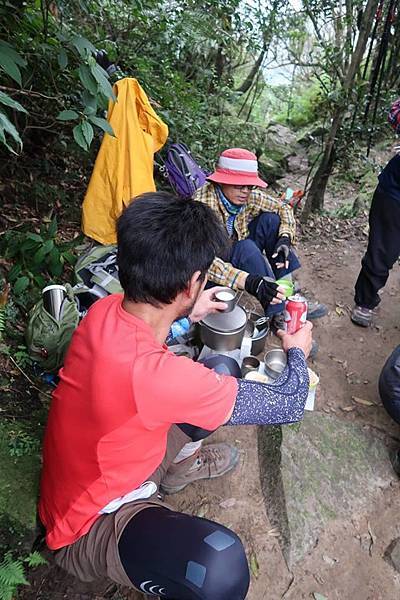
317 471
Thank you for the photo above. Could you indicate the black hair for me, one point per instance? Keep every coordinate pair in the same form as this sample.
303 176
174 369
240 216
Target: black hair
162 241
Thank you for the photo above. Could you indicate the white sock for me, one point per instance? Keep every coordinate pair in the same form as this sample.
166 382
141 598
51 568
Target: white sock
187 451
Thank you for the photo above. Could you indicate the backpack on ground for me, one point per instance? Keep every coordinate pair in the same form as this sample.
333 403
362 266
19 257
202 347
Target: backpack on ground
96 274
182 171
48 339
97 269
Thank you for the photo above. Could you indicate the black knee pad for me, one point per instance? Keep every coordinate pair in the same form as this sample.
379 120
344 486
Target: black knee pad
179 556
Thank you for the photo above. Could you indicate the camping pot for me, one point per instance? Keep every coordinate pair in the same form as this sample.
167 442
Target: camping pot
224 331
260 334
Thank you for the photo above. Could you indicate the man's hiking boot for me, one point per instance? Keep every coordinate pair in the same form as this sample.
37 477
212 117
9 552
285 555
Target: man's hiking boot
315 310
210 461
277 322
362 316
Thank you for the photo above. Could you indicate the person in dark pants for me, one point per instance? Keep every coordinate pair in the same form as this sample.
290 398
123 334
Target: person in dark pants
383 244
389 391
261 228
127 417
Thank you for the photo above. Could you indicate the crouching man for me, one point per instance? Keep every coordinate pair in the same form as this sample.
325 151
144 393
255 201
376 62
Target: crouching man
127 417
261 231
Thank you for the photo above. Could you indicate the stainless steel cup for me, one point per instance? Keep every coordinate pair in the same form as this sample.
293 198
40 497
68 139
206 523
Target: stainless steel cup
275 362
228 296
250 363
53 296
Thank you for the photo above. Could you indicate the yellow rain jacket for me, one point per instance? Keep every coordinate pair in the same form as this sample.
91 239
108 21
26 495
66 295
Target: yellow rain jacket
124 164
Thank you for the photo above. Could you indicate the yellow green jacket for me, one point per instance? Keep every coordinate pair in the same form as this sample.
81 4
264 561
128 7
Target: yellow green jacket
124 164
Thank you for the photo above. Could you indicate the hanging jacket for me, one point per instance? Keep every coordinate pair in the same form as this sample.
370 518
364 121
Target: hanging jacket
124 164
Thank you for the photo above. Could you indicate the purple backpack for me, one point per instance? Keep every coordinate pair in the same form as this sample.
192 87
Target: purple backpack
183 173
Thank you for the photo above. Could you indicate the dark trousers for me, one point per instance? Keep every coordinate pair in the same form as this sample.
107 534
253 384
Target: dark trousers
248 254
382 251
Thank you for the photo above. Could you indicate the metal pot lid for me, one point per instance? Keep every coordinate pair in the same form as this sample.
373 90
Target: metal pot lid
226 322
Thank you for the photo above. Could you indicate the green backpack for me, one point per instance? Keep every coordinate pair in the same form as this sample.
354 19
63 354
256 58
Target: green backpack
48 339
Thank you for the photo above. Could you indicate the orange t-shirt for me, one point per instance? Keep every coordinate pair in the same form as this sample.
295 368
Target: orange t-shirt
120 391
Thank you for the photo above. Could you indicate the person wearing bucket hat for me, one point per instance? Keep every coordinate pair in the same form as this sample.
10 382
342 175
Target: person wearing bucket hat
261 228
384 236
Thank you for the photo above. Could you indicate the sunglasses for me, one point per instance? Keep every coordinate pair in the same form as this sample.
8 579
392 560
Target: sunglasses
244 187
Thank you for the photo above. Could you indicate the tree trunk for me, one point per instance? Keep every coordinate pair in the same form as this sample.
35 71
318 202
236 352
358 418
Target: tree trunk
315 197
248 82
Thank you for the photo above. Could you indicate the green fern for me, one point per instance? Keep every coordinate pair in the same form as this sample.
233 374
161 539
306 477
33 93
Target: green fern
11 576
35 559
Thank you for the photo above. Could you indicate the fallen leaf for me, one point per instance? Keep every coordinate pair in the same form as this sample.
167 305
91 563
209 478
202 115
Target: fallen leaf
347 408
228 503
318 596
254 566
362 401
202 511
339 311
372 536
274 532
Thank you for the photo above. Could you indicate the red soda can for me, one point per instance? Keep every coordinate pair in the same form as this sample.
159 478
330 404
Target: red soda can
295 313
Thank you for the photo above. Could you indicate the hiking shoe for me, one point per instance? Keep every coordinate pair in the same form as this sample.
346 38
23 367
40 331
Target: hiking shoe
278 322
315 310
362 316
210 461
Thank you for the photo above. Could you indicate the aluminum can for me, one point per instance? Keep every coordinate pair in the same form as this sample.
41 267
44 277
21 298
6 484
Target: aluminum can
295 313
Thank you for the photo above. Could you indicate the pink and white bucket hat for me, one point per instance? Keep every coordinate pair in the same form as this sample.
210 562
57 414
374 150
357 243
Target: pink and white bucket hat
237 166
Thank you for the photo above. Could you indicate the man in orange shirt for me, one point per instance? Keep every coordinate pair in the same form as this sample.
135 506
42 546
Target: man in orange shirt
127 417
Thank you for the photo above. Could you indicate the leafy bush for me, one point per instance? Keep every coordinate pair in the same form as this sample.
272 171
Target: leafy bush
35 256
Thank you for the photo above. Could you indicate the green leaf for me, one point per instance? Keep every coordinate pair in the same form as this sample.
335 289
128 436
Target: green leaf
10 67
87 131
103 124
6 124
79 137
35 559
87 79
39 256
100 75
83 46
88 100
14 272
34 236
89 110
4 99
20 285
62 59
28 245
69 257
48 246
52 230
67 115
9 51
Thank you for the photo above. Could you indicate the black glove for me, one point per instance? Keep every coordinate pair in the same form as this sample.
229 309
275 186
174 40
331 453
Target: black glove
282 249
263 288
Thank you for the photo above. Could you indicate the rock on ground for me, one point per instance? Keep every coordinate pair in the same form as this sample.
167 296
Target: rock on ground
318 471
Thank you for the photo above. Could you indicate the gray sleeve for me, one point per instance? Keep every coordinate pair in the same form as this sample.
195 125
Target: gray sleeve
274 403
